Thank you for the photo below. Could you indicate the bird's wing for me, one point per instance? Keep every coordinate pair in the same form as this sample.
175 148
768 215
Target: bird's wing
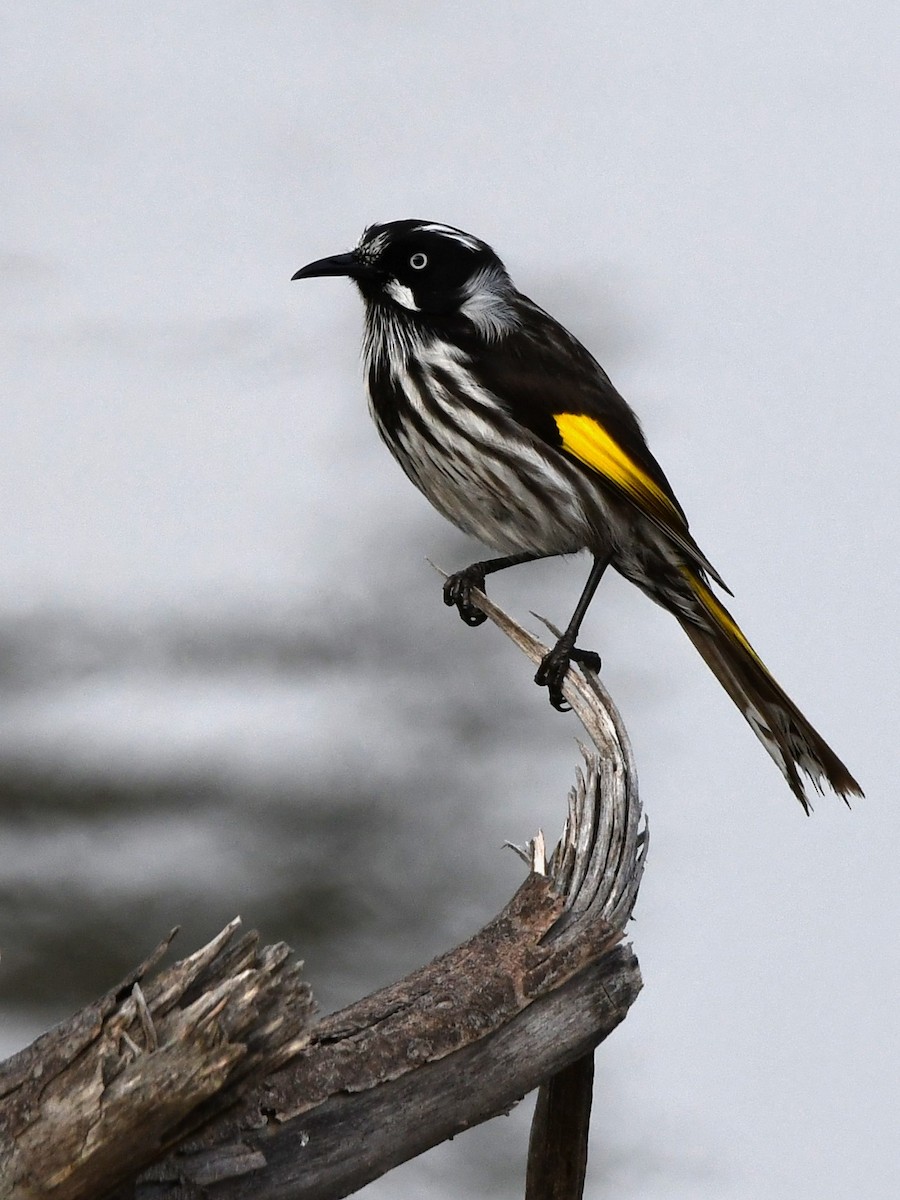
551 384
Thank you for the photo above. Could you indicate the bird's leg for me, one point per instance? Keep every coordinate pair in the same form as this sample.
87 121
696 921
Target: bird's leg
458 587
555 663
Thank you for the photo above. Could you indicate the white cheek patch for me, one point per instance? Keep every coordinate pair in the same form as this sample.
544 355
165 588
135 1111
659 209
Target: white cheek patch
401 294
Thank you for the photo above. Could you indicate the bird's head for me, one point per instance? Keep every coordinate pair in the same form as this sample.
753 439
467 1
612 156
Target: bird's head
422 267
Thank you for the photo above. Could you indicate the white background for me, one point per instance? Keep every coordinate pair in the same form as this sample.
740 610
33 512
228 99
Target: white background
706 194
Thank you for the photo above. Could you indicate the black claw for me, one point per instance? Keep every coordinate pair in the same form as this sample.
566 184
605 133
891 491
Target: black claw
554 667
552 673
458 592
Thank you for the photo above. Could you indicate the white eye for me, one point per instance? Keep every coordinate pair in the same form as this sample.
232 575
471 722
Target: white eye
418 261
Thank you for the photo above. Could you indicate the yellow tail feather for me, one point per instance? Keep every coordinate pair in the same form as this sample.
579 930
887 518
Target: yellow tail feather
784 731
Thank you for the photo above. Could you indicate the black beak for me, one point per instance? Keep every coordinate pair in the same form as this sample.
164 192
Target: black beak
338 264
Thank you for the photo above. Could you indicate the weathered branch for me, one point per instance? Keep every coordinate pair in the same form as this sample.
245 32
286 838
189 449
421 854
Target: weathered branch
215 1072
100 1093
558 1146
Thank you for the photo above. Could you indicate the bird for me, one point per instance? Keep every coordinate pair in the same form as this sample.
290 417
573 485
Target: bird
515 433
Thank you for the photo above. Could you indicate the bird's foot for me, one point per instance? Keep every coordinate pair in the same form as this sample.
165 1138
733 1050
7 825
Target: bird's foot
458 591
551 673
587 658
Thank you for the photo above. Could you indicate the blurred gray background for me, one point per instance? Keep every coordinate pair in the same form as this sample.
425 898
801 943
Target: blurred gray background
229 684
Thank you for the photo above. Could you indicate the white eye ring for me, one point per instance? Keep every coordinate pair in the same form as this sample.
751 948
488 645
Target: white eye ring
419 261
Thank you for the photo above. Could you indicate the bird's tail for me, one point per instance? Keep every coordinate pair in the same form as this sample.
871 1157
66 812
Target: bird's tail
772 715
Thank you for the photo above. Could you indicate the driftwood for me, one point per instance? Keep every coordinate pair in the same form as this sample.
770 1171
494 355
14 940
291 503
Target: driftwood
213 1078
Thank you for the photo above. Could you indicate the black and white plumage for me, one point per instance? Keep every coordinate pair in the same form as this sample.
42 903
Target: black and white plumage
515 433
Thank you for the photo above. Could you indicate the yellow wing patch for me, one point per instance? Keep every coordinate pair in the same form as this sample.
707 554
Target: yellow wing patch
588 441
